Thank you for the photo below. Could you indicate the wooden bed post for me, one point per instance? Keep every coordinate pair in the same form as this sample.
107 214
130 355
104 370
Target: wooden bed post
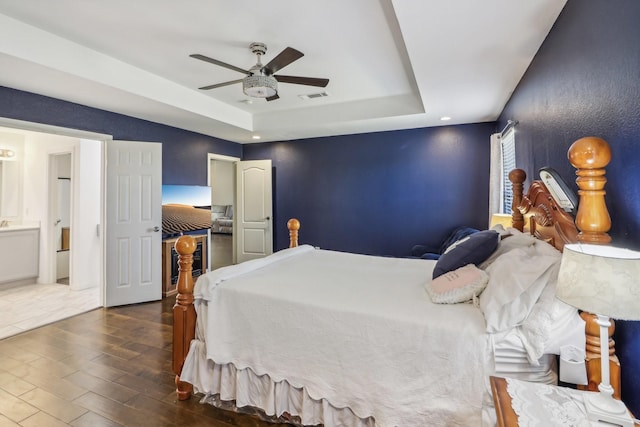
184 314
517 178
293 225
590 155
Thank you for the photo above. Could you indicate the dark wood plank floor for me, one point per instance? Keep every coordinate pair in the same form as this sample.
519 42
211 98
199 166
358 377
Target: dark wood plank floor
107 367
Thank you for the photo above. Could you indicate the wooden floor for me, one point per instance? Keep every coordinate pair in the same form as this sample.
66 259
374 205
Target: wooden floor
107 367
221 250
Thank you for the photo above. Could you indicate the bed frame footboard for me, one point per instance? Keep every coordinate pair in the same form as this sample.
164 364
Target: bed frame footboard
184 313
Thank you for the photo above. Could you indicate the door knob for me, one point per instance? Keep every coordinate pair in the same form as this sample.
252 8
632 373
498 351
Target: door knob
58 221
156 228
267 218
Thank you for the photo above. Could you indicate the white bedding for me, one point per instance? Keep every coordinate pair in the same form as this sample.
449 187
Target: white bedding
361 342
357 334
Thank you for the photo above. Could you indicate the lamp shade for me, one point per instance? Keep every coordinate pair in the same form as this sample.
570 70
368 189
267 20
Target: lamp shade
602 280
501 218
260 86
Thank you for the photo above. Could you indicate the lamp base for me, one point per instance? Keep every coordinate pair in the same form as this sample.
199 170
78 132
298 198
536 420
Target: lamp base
603 407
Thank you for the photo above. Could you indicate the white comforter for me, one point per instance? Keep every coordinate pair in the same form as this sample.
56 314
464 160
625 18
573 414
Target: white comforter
358 331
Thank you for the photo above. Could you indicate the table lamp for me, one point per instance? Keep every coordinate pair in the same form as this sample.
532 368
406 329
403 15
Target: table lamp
605 281
502 219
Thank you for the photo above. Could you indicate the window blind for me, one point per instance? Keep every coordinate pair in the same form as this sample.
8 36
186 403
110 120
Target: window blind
508 160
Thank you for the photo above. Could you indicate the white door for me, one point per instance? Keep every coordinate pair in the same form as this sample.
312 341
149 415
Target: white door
134 222
253 210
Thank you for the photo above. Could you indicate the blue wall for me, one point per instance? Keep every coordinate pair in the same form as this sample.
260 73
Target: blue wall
380 193
184 153
585 80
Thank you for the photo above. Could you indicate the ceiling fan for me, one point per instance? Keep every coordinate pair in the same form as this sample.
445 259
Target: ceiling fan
261 80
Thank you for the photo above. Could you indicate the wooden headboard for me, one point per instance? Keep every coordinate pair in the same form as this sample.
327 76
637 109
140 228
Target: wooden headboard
549 222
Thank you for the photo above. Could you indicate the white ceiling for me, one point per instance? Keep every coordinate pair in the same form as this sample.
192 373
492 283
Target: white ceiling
392 64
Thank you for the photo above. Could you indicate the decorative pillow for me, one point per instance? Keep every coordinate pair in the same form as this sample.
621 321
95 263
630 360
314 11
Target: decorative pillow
456 243
460 285
473 250
516 281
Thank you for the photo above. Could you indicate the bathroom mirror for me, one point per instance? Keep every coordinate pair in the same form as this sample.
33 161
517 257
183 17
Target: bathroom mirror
9 189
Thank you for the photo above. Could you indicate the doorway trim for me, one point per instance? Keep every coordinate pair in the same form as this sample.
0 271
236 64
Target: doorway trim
223 158
74 133
56 130
51 249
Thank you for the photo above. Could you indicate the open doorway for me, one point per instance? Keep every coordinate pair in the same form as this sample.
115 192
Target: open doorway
221 179
60 214
63 169
63 175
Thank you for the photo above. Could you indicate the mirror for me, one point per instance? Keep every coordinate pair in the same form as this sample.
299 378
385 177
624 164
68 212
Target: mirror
9 189
11 141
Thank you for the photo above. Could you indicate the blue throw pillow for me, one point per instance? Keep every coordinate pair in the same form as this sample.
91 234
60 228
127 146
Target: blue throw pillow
474 249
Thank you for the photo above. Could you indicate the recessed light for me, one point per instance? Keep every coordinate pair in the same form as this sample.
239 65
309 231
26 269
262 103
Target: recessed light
445 118
256 137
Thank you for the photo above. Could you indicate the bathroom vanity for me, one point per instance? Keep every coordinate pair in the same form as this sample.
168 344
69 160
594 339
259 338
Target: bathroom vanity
19 253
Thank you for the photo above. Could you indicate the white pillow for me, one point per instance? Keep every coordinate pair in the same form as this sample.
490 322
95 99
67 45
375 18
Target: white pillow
460 285
535 329
516 281
512 239
499 228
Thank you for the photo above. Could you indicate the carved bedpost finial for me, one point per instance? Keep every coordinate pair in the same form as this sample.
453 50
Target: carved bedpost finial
590 155
185 246
293 225
517 178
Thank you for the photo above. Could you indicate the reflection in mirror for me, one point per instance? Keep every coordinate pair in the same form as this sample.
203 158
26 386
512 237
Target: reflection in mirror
9 189
63 219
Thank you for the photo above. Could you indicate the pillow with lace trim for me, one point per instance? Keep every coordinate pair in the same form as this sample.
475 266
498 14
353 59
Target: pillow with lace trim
460 285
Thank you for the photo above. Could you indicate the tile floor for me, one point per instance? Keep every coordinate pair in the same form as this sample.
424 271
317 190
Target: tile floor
27 307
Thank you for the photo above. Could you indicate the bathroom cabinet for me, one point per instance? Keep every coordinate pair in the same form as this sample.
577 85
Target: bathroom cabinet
19 253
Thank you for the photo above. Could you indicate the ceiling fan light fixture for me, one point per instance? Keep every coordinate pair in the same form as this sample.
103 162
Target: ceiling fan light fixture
260 86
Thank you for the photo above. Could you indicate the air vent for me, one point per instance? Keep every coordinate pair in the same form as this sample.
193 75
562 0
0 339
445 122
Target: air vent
314 95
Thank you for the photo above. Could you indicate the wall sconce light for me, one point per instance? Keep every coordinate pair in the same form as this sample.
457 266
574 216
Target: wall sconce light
7 154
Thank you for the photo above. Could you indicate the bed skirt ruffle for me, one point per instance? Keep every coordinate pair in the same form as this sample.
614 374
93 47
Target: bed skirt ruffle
242 390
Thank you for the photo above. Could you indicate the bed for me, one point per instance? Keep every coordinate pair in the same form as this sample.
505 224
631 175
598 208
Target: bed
361 343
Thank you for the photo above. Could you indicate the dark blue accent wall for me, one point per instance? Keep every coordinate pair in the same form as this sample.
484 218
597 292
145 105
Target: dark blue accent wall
184 153
380 193
585 81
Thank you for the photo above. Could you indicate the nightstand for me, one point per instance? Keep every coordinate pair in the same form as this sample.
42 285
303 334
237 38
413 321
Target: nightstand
502 400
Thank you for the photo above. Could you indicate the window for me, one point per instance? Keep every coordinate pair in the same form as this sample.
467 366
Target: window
508 163
503 161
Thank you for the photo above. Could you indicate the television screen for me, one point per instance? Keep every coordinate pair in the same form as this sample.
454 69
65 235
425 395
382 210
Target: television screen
185 209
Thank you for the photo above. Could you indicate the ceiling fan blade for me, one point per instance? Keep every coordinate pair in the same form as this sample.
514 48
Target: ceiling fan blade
273 98
309 81
283 59
220 84
220 63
